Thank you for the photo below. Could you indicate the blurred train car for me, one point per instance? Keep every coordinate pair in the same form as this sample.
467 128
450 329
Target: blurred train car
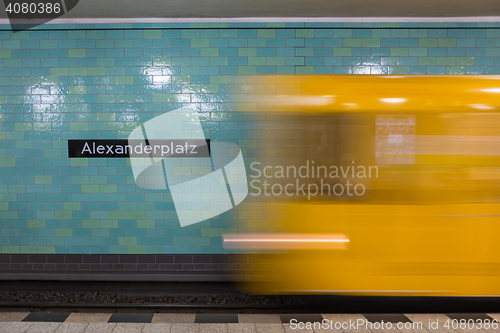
377 185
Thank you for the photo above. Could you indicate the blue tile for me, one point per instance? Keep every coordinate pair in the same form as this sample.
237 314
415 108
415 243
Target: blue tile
474 52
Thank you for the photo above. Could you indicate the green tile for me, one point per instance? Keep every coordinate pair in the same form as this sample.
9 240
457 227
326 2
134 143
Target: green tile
124 43
79 162
51 81
212 232
304 52
77 34
389 61
152 33
276 25
77 89
427 42
257 61
42 126
304 69
64 232
163 98
492 51
276 61
162 61
111 71
106 99
10 249
108 189
118 215
145 224
105 62
219 61
492 33
43 180
46 249
77 53
27 249
22 144
13 100
51 153
390 24
342 51
79 126
158 249
128 240
182 241
191 33
124 99
427 61
98 179
447 42
137 249
23 126
465 61
209 52
62 215
96 71
247 70
304 33
455 70
136 215
381 33
266 33
90 224
124 80
399 51
247 52
446 61
59 71
72 206
49 44
370 42
36 224
106 116
246 143
217 25
79 179
5 54
351 42
90 188
12 63
109 224
55 241
200 42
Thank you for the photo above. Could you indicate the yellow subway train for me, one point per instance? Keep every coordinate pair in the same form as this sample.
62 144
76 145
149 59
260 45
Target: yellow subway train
375 185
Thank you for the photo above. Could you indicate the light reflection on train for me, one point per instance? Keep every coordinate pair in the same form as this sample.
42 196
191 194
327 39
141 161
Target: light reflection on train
376 185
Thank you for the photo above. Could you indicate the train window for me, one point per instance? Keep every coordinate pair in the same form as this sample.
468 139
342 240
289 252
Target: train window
391 158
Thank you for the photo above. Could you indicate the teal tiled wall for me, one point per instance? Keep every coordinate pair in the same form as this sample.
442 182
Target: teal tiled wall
101 81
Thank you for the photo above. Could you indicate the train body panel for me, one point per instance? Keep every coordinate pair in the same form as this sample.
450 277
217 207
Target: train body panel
424 223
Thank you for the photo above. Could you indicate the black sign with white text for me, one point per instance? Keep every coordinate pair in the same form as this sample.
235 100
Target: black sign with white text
138 148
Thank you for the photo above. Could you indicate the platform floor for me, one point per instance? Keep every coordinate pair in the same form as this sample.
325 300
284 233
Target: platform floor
57 322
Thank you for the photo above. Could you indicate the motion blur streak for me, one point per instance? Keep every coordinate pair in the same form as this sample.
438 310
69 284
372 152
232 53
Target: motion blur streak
407 168
286 241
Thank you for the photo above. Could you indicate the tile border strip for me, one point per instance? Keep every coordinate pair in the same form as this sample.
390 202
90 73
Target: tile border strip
265 23
110 267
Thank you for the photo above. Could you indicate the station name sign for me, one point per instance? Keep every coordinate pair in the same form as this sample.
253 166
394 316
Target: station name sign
138 148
